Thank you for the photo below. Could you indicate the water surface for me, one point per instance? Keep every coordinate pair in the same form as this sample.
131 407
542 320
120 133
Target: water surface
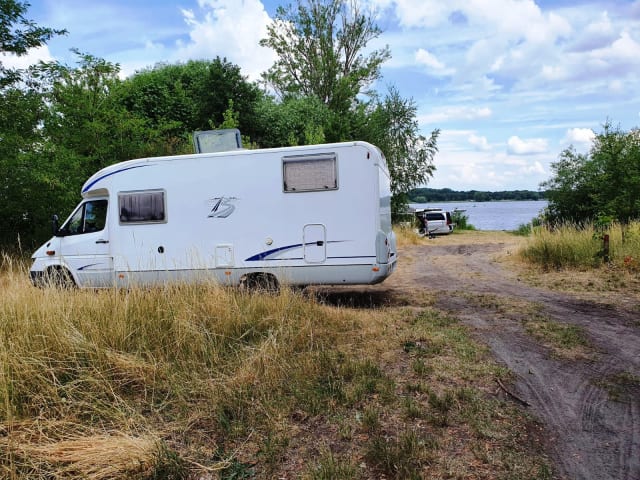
503 215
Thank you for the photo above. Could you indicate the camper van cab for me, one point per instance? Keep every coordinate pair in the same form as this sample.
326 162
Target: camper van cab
315 214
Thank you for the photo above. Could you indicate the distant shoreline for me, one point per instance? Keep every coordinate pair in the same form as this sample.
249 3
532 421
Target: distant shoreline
434 195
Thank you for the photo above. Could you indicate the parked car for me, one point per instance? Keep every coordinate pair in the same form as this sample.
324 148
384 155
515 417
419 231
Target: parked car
434 221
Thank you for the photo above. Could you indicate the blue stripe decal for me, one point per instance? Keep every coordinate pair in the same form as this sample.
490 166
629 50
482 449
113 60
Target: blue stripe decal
273 254
87 266
109 174
328 258
268 253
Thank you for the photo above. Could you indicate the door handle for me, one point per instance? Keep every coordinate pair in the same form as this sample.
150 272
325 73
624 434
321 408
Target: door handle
102 241
320 243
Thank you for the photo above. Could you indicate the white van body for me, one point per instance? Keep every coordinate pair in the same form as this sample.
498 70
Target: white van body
316 214
437 221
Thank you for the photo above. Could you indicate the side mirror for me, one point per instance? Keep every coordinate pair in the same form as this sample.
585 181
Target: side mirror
54 225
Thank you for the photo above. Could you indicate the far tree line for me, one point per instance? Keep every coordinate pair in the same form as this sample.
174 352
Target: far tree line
429 195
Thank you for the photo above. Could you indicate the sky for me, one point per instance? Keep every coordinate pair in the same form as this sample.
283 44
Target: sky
510 83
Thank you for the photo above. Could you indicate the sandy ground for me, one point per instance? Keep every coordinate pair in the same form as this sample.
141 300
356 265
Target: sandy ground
589 403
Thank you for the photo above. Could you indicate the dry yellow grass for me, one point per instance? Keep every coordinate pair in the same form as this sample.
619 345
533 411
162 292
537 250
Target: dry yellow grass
182 381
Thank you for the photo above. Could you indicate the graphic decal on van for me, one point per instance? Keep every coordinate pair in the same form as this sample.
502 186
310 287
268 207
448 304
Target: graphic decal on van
88 187
275 254
221 207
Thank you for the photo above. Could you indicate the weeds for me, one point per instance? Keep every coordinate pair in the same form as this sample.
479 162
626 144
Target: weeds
621 387
572 246
566 340
329 467
402 457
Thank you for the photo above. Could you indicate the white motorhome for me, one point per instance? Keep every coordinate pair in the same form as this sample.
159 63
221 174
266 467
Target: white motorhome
316 214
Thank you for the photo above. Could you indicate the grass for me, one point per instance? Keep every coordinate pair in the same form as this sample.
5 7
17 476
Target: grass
201 381
621 387
571 246
566 340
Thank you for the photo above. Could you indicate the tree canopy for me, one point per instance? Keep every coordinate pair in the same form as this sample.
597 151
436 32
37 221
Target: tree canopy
320 46
18 35
603 184
61 123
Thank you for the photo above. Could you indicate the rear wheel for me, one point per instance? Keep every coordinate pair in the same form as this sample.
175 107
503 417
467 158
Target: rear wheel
260 282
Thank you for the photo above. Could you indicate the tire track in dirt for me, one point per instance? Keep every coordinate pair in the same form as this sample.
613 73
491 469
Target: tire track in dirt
591 434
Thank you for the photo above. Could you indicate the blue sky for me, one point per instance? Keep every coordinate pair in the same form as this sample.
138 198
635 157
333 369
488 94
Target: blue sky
510 83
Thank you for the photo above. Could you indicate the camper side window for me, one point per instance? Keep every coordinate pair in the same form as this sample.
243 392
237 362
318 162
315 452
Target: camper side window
310 173
146 206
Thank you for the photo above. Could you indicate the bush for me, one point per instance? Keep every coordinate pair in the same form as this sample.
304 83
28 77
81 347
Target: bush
461 221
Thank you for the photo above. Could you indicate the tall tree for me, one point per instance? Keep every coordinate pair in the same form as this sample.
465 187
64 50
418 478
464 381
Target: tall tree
18 35
393 127
320 46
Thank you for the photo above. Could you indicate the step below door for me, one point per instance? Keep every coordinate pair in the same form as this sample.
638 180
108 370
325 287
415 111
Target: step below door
315 243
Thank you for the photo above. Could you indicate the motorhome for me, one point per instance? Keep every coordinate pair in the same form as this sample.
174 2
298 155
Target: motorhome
316 214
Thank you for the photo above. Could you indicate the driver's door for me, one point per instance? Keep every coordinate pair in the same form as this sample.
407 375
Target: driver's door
84 245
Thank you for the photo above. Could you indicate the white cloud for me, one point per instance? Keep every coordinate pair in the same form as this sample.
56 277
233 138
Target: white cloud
229 29
518 146
32 57
597 34
480 143
446 114
424 57
581 138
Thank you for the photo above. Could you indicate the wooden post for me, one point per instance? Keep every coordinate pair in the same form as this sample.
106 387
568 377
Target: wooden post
605 247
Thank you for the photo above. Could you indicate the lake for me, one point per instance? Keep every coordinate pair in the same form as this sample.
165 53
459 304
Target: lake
503 215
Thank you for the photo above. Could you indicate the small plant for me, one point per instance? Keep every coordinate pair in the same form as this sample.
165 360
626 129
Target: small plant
412 408
421 368
461 221
401 458
566 340
272 449
621 387
371 419
524 230
331 468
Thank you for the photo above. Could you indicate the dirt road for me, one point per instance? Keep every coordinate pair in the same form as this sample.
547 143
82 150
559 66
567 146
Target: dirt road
590 403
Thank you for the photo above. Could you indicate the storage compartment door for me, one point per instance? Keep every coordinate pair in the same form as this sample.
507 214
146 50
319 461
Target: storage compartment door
315 243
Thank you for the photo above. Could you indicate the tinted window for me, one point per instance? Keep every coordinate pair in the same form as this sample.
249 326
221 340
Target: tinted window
142 207
434 216
89 217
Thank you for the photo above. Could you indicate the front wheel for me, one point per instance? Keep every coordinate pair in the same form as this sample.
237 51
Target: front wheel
59 277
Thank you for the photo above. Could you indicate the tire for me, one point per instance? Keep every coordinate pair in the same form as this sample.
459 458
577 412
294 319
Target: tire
260 282
59 277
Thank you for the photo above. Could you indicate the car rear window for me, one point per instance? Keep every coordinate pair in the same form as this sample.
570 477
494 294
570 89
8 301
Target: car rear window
435 216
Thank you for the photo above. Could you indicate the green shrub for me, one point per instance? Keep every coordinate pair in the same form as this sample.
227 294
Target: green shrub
461 221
